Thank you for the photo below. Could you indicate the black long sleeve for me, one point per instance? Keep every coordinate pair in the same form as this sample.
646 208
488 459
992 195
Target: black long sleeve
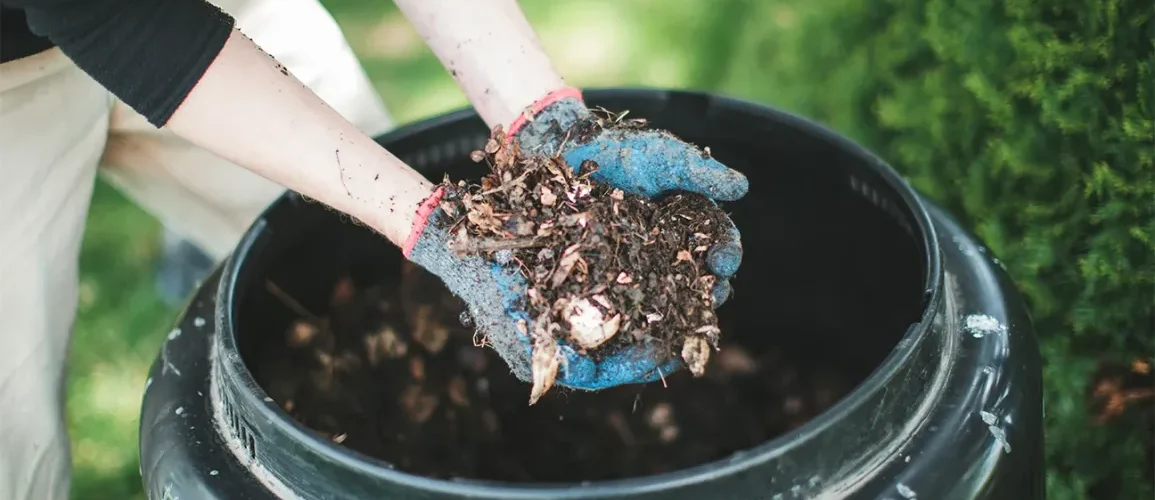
148 53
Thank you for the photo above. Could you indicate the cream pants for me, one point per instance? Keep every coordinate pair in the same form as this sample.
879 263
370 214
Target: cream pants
58 130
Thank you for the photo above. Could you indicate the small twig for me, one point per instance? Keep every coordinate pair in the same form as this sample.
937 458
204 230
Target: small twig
290 302
663 377
521 265
565 141
592 171
506 185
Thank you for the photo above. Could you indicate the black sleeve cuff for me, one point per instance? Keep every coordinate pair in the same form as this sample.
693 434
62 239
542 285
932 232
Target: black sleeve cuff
148 53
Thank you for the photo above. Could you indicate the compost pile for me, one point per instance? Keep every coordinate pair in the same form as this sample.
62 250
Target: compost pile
606 269
388 369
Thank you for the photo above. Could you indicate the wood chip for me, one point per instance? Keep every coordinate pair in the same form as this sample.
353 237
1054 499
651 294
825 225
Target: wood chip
302 332
546 359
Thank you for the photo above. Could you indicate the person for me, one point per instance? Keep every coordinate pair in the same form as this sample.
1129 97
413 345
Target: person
170 96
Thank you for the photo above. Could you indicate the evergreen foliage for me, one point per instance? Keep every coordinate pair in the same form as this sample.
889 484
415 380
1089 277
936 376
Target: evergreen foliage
1031 120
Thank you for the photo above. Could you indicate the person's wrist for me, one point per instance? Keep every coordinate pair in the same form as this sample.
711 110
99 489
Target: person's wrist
421 220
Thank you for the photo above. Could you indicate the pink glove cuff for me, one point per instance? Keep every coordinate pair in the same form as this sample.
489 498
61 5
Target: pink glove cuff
423 212
536 107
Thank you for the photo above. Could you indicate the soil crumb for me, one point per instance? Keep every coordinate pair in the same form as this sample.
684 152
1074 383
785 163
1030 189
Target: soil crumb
389 370
606 269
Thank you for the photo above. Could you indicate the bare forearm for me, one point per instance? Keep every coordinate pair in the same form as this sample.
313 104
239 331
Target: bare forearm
490 49
248 109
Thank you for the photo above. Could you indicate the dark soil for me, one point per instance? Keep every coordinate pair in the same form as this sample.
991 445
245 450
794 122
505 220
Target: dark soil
606 269
391 372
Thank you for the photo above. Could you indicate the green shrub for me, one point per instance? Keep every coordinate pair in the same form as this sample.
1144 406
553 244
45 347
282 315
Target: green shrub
1032 121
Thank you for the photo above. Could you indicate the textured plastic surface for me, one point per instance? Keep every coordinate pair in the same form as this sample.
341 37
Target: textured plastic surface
952 411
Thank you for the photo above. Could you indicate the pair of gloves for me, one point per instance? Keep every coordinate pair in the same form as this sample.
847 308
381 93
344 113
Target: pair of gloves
644 162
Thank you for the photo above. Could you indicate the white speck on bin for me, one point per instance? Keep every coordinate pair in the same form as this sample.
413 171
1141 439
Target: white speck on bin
213 472
905 491
198 322
1000 436
981 325
988 417
174 333
179 410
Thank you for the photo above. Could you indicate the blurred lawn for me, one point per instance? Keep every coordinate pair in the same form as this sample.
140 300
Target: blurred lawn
122 322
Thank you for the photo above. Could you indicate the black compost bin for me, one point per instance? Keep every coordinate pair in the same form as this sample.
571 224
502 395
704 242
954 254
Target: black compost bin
919 369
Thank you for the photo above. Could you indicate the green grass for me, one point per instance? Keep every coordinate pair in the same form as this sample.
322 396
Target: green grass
119 327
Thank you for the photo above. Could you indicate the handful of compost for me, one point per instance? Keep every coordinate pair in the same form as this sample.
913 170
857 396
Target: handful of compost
598 271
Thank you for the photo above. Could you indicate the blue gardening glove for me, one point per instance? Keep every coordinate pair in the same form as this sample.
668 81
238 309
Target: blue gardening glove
493 293
648 163
644 162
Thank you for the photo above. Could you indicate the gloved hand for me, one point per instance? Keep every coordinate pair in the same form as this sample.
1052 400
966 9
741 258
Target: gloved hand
644 162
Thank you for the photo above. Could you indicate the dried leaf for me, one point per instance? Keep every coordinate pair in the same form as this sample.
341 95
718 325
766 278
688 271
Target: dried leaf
580 218
458 392
547 197
302 332
546 359
519 226
386 343
589 327
569 258
417 404
696 353
449 208
427 331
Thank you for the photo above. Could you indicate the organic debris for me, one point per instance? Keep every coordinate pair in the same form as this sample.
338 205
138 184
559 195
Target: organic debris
1116 390
358 373
606 269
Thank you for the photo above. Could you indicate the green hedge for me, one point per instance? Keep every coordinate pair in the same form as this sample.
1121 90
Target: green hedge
1032 121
